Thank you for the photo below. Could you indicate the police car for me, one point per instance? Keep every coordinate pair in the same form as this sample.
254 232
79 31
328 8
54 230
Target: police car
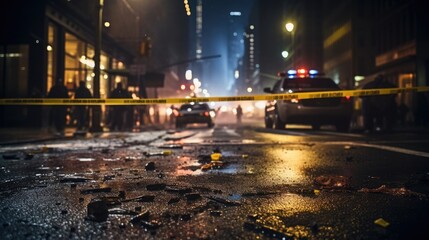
194 113
316 112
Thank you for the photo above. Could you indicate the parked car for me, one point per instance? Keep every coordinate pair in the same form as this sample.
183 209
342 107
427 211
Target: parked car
194 113
315 112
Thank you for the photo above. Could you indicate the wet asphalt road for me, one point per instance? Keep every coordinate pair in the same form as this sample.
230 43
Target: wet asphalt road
267 184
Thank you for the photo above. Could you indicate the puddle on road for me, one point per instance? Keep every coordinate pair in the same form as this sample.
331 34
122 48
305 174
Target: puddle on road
194 168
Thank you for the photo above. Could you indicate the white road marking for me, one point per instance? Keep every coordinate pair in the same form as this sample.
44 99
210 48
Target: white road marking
382 147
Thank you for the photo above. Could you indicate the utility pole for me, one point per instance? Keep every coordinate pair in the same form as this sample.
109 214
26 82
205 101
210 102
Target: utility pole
96 110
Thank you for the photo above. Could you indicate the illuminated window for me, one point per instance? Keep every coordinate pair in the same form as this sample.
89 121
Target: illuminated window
76 63
52 50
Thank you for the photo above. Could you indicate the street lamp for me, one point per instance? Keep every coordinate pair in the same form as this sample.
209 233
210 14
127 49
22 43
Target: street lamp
285 54
290 28
96 110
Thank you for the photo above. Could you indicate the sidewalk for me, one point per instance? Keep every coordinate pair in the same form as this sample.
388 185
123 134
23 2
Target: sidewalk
10 136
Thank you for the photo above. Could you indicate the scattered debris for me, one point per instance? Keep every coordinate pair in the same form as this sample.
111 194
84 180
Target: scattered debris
163 153
382 222
172 146
111 201
144 216
206 167
143 198
393 191
156 187
332 182
97 210
108 177
74 179
212 165
150 166
192 196
216 156
95 190
178 190
121 211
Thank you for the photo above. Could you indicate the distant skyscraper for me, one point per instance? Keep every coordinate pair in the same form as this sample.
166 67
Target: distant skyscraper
216 29
199 29
235 46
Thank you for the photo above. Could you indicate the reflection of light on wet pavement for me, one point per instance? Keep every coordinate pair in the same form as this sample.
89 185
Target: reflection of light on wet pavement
288 165
106 140
194 168
291 204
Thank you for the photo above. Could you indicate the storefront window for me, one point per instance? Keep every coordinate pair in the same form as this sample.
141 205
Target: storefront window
104 78
79 63
116 65
89 74
76 62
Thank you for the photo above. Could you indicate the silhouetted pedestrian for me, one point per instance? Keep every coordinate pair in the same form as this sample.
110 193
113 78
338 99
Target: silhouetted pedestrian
58 113
81 111
118 112
379 112
172 117
239 114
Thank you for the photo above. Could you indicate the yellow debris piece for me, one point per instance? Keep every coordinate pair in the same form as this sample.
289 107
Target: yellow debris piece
167 152
206 167
382 222
216 156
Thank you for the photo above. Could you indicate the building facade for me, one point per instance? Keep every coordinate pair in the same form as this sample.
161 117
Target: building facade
363 39
50 40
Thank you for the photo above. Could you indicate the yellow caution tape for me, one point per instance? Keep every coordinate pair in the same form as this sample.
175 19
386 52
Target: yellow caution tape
263 97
